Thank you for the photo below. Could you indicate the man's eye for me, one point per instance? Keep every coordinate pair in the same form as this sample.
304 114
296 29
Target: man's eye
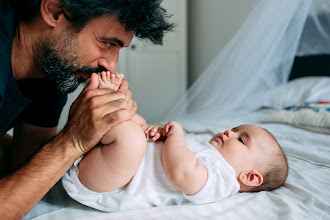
109 44
240 139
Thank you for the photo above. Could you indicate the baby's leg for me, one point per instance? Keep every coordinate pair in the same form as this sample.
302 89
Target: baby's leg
110 80
112 166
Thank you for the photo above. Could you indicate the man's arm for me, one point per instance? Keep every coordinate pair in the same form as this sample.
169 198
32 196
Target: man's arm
22 190
180 164
27 140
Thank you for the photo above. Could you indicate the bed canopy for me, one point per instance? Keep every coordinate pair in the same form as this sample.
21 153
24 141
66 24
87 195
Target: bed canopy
258 59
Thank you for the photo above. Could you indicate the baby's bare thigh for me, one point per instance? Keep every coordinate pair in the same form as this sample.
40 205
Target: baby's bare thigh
112 166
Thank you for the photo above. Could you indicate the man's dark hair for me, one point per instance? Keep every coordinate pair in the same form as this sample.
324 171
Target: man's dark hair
146 17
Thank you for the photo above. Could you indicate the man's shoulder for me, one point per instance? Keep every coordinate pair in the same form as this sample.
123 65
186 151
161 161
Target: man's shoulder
7 23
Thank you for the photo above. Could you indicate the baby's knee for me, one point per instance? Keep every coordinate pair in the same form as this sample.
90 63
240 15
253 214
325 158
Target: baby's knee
135 134
127 133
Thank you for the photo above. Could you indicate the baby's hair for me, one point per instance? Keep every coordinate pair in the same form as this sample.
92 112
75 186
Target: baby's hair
275 170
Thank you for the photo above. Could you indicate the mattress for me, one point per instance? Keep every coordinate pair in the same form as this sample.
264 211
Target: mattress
304 195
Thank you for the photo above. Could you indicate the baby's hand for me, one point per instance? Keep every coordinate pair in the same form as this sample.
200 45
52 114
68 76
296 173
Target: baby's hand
155 132
172 128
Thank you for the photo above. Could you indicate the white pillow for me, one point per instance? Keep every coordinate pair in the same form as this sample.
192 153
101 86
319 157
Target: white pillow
310 116
300 90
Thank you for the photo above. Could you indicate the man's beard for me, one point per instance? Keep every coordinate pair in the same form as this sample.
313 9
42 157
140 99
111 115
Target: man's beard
60 63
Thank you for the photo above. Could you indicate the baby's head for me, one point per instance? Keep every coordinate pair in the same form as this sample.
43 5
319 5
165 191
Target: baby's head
255 155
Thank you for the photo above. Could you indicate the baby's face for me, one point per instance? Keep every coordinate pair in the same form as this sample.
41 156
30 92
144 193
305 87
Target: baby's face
244 147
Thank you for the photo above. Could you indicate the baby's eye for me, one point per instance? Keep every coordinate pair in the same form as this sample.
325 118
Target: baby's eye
241 140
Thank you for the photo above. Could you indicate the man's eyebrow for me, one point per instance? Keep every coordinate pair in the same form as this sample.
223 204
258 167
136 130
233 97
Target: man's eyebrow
235 129
114 39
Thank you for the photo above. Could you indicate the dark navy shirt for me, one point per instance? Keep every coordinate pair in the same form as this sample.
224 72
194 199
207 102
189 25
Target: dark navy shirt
34 101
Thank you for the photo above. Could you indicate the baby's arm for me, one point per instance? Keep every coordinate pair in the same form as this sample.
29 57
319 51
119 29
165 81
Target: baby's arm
180 164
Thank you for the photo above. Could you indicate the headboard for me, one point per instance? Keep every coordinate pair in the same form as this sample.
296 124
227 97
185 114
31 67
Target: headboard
316 65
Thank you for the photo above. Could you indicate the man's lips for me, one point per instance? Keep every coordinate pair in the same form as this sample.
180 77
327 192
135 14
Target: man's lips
86 75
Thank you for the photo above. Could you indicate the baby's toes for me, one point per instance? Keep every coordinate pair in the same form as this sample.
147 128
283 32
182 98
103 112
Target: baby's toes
103 76
113 78
107 75
119 78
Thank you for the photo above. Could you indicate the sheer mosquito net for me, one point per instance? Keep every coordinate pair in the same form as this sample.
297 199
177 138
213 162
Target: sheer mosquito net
257 60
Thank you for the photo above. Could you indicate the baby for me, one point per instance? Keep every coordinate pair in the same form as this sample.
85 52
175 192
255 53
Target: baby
126 172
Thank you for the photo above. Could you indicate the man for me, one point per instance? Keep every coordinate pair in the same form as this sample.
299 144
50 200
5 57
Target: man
47 47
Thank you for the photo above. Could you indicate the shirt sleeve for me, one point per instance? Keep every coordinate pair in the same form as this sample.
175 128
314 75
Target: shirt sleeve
47 103
6 39
221 178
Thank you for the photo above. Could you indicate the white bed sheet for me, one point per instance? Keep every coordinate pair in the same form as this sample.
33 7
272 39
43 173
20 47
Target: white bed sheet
304 195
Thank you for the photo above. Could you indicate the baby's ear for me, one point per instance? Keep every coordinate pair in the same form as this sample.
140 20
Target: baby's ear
251 178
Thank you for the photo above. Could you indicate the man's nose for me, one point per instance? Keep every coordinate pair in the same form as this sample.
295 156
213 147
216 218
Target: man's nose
109 63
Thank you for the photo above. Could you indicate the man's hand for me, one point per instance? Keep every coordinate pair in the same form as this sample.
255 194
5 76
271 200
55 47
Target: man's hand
95 111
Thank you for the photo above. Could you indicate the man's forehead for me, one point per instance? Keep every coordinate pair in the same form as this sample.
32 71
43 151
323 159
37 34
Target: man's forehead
109 27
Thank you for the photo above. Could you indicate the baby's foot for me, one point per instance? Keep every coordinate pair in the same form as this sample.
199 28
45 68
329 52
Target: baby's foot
110 80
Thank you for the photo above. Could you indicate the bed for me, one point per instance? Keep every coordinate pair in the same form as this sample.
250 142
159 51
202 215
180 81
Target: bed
304 195
297 113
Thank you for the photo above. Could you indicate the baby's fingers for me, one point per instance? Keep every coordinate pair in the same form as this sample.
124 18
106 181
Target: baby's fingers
166 129
156 137
153 131
148 129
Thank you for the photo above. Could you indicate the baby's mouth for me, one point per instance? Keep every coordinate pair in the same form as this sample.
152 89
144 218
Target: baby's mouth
218 139
221 138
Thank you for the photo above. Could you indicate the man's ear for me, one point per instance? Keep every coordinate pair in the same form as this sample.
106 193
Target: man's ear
251 178
50 11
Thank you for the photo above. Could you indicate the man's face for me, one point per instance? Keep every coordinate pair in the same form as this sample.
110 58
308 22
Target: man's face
70 58
244 147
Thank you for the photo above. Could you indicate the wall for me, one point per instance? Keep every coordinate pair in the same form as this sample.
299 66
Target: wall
212 23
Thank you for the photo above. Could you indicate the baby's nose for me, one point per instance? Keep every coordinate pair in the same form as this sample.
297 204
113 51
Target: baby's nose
229 133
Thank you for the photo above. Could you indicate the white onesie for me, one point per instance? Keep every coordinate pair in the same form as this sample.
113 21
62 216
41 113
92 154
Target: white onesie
149 187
